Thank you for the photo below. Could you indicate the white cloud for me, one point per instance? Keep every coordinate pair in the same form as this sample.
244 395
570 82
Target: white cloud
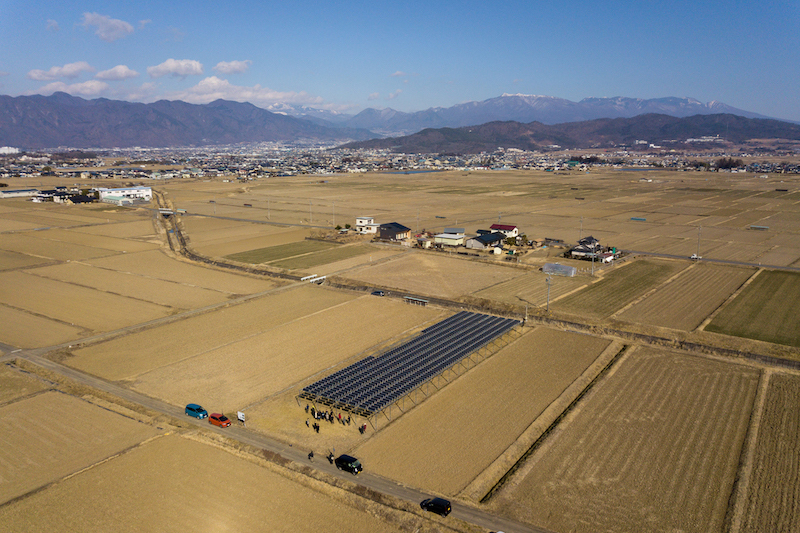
143 23
374 96
394 95
213 88
176 67
398 74
232 67
70 70
120 72
52 25
108 29
86 88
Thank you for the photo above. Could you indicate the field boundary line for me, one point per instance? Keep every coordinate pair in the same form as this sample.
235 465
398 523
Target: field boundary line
729 299
741 485
554 424
652 291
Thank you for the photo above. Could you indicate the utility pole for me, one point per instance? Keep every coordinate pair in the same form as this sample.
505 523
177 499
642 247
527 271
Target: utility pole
699 229
580 235
334 214
549 282
310 214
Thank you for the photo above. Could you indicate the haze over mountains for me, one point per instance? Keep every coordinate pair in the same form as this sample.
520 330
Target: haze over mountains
61 120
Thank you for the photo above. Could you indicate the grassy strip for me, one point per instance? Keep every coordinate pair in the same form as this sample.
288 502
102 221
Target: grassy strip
339 253
538 442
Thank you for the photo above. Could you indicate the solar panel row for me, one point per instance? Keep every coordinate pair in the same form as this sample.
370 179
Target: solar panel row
373 383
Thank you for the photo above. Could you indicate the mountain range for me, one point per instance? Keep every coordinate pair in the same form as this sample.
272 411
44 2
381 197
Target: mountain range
62 120
651 128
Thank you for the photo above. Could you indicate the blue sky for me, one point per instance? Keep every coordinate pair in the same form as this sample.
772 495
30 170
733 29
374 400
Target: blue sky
411 55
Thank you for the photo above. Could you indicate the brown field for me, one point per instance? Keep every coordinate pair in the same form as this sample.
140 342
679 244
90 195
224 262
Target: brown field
687 299
14 260
95 241
774 492
157 265
51 435
127 357
140 287
56 250
73 304
655 447
136 229
174 484
452 437
531 289
16 384
433 274
18 327
248 370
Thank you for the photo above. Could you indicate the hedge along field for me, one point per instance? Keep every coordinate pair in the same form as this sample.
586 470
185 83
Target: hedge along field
174 484
773 502
27 330
167 293
617 288
51 435
768 309
156 265
339 253
685 301
281 251
655 446
531 288
251 368
443 444
75 305
127 357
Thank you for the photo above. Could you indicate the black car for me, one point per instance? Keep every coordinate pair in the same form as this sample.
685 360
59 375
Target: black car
439 506
378 293
348 464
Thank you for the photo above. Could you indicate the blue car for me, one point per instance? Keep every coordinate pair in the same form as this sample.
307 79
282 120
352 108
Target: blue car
196 411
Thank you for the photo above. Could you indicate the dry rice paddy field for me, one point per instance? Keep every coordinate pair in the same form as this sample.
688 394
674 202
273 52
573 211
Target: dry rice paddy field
654 448
654 440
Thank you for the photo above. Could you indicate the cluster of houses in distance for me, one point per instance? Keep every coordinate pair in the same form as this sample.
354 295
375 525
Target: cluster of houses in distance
491 240
124 196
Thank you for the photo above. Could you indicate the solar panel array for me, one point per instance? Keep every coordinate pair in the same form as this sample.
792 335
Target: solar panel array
374 383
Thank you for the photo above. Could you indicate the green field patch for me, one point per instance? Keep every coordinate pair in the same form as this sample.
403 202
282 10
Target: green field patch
618 288
281 251
324 257
766 310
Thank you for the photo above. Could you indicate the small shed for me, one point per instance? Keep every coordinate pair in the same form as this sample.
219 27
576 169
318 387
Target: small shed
483 242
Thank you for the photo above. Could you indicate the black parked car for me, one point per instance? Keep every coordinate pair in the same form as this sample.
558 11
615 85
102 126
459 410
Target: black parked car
439 506
348 464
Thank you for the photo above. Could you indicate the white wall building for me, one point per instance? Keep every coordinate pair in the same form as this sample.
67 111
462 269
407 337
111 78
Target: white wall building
125 195
366 225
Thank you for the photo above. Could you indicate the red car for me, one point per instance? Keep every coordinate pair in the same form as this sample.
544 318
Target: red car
219 420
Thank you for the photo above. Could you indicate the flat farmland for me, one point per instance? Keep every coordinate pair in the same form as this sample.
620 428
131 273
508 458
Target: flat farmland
686 300
332 255
125 229
75 305
156 265
56 250
95 241
50 435
18 326
15 260
281 251
16 384
766 310
127 357
531 289
618 287
252 368
654 447
158 291
433 274
448 440
174 484
773 502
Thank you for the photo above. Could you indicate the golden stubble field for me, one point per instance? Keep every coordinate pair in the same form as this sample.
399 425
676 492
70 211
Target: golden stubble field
655 447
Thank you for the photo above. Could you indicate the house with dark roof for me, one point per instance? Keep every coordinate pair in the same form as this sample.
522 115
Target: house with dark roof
486 241
392 231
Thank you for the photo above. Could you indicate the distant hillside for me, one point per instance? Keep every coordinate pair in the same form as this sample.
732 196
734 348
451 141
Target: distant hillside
527 108
653 128
33 122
